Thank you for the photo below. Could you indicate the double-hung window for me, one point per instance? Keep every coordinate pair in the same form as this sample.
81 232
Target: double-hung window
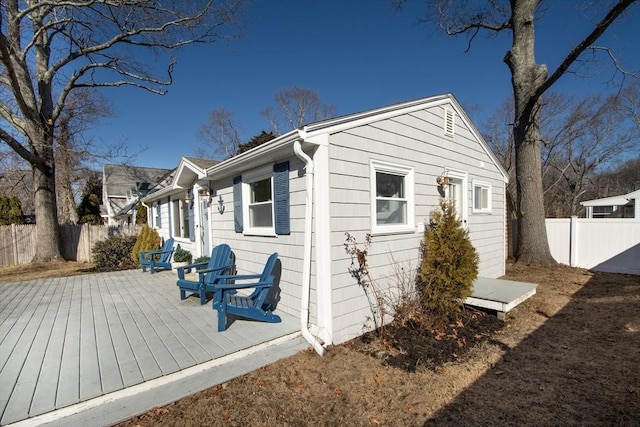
481 197
261 201
258 192
392 198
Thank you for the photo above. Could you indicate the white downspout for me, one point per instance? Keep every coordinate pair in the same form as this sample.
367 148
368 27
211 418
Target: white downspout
306 268
149 212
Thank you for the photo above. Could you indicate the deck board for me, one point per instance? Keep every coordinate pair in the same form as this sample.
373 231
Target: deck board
67 340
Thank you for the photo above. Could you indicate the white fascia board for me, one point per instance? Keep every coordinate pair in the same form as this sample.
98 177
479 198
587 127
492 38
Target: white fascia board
258 156
360 119
607 201
478 136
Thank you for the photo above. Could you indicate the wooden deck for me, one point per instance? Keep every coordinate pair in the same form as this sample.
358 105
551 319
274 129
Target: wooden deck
500 295
69 340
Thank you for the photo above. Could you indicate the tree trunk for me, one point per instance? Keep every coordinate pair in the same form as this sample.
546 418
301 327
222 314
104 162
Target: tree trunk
527 77
48 247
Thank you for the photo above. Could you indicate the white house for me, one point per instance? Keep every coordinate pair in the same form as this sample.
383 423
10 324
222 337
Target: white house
377 173
122 187
623 206
179 206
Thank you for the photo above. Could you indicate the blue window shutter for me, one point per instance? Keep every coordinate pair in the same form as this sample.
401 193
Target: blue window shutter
159 215
192 225
281 197
237 204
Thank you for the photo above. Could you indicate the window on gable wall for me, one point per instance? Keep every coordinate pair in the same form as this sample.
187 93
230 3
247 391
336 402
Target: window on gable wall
261 201
392 199
481 197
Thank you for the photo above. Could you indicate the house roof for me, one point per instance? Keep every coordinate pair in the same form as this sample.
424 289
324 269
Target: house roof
189 170
120 179
312 133
202 163
613 200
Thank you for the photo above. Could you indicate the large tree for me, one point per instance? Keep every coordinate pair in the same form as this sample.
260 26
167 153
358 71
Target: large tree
48 50
294 107
530 80
219 136
580 137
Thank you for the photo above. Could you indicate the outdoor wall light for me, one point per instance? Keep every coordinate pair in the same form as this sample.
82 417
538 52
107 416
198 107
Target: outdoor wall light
220 204
442 180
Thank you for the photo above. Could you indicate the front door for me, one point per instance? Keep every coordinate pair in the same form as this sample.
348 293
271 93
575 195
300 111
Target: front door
456 191
204 227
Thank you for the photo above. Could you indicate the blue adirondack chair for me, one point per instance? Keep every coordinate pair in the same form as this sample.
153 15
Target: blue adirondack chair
148 258
219 263
227 301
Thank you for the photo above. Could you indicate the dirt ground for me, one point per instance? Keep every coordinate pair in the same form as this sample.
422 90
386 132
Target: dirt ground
570 355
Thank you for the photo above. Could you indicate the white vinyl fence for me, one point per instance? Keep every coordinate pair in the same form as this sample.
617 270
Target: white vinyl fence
601 244
18 242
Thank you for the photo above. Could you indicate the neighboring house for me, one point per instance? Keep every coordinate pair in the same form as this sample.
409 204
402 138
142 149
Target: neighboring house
179 207
624 206
379 172
122 187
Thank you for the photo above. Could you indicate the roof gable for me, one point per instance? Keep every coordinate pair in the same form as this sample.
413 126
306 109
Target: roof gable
315 132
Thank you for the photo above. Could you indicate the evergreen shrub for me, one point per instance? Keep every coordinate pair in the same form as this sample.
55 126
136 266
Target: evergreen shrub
148 240
449 264
182 255
114 253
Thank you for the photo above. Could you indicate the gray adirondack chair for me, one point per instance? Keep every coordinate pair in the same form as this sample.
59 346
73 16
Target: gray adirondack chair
148 258
253 306
219 263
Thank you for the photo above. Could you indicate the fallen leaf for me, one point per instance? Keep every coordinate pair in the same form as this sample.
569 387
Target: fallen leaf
337 392
378 378
374 421
226 414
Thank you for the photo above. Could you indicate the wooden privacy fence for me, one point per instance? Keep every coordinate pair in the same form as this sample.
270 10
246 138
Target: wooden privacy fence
18 242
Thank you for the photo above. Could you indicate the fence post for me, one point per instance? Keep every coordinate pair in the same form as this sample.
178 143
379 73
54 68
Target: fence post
573 241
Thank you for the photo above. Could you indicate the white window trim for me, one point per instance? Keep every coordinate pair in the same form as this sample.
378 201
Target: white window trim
487 186
409 174
248 178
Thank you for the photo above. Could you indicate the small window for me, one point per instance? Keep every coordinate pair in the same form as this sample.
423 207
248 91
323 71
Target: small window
261 203
158 215
258 212
481 197
449 122
391 198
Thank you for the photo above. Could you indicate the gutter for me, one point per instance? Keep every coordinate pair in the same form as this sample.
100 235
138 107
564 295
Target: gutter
306 267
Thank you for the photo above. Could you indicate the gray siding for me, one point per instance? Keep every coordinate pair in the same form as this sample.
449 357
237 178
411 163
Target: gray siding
252 251
414 140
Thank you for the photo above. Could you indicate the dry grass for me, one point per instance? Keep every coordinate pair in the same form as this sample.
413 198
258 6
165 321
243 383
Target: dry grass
568 356
44 270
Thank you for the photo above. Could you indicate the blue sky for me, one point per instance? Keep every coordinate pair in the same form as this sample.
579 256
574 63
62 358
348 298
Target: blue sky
357 54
